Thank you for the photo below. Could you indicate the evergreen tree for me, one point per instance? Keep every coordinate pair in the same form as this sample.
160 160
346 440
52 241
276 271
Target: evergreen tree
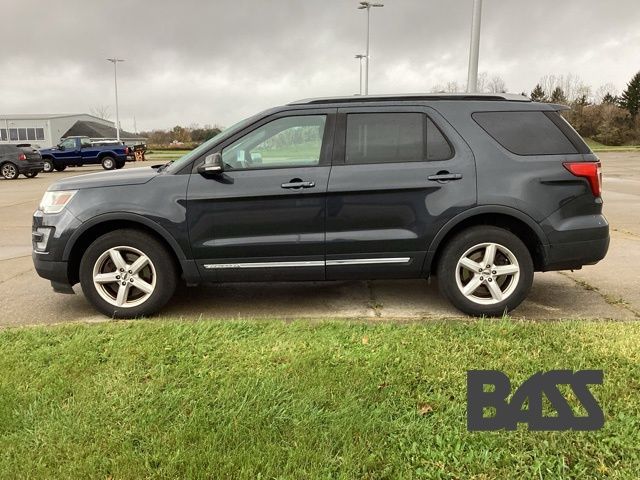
538 95
609 99
558 96
630 98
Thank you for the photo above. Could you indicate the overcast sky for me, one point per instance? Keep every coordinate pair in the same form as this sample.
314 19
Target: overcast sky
217 61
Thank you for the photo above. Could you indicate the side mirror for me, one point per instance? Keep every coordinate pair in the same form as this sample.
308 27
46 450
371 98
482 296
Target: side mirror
60 147
212 164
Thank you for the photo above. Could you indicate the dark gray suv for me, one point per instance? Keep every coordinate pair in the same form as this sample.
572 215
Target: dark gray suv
478 190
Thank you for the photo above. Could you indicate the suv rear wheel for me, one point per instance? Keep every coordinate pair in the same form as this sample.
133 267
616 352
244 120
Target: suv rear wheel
485 271
48 165
126 273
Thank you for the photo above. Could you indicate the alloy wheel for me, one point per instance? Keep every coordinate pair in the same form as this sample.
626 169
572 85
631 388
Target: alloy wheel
487 273
124 276
9 171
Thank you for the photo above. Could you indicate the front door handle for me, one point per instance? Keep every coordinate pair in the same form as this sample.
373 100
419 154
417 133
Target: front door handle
444 177
297 183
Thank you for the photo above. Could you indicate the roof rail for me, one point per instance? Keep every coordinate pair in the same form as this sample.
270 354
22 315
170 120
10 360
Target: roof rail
512 97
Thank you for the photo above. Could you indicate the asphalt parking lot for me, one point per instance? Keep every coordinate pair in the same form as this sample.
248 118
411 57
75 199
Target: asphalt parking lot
609 290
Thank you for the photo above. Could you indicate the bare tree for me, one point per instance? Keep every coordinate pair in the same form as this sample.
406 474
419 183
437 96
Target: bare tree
452 87
602 91
100 111
497 85
482 82
572 86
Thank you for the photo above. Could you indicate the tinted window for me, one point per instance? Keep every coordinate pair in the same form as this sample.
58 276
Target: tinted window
438 147
283 143
385 137
3 134
525 133
31 133
22 134
13 134
39 133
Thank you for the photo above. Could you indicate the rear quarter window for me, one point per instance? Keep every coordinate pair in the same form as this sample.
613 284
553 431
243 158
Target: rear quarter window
525 133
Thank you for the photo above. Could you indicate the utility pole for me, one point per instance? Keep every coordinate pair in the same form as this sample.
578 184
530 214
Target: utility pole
360 57
368 5
115 79
474 48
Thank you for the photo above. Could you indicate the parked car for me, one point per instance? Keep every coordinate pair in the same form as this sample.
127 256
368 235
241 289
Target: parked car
19 159
478 190
78 151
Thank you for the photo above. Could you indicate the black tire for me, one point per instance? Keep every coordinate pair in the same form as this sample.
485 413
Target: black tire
108 162
120 164
48 165
59 167
162 260
449 275
31 174
9 171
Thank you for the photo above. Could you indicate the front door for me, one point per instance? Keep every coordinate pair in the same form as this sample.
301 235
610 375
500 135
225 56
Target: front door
263 217
69 153
399 174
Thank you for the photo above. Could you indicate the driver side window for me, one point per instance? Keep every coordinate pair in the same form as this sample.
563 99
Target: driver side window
283 143
85 143
69 144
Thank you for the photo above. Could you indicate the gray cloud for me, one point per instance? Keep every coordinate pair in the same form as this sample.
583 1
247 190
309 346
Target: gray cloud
217 61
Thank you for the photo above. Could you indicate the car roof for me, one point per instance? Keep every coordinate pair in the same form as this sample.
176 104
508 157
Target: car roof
414 97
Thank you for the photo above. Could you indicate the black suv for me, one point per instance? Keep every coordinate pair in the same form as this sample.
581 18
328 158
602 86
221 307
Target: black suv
479 190
20 159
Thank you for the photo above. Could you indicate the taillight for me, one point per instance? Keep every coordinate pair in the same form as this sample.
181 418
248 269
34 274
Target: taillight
589 170
22 157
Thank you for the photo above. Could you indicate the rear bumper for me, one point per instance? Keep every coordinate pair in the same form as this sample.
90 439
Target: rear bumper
575 241
30 167
572 256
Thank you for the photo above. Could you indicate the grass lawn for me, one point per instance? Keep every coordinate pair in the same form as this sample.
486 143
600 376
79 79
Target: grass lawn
268 399
599 147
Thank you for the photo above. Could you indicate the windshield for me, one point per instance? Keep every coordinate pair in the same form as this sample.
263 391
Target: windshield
196 152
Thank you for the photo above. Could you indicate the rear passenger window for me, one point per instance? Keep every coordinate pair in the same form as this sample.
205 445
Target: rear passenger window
438 147
525 133
393 137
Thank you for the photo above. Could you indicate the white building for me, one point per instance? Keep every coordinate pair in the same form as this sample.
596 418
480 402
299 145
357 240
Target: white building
44 130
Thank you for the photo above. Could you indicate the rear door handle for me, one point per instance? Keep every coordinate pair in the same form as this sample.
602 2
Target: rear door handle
444 177
295 184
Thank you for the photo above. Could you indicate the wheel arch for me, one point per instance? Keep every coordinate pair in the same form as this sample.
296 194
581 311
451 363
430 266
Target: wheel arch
89 231
517 222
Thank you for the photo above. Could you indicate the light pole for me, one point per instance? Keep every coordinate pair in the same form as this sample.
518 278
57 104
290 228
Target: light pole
368 5
360 56
474 48
115 79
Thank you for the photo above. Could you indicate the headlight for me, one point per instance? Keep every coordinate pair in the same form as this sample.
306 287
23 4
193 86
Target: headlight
54 202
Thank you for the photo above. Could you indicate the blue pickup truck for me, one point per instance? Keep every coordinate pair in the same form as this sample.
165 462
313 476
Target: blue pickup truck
78 151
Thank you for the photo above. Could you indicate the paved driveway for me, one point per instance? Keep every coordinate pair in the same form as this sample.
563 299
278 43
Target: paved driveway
610 289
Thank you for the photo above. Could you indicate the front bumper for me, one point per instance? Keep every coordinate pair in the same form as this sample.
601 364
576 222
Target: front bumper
49 260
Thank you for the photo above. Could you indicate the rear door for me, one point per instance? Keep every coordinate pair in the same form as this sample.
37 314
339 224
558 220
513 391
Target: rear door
264 216
399 174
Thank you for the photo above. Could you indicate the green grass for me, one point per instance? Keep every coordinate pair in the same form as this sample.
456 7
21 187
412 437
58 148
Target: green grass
599 147
268 399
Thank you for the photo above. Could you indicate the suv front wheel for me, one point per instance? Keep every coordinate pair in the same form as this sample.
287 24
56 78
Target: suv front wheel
127 273
485 271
